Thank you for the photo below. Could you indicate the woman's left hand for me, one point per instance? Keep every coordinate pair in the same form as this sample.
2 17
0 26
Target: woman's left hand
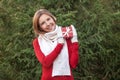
74 38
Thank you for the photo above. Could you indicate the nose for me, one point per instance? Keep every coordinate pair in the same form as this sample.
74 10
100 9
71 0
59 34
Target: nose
47 23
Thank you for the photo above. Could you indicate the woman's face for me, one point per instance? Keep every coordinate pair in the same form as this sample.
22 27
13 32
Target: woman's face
47 23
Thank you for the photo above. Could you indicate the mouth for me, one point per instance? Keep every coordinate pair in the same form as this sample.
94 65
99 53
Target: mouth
51 28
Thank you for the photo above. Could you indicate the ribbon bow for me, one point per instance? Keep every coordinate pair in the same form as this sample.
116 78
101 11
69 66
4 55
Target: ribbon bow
67 32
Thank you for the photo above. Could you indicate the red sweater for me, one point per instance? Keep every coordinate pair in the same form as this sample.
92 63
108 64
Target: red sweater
47 61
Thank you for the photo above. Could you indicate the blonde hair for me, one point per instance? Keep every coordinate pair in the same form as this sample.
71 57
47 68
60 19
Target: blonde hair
36 17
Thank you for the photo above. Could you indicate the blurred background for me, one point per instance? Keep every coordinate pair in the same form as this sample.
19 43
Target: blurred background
98 26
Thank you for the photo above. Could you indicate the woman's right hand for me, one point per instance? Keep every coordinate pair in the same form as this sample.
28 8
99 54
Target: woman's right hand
60 36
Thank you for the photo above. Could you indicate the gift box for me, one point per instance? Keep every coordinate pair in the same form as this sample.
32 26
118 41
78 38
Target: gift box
67 32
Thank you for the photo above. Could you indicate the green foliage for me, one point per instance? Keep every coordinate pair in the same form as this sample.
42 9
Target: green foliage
98 26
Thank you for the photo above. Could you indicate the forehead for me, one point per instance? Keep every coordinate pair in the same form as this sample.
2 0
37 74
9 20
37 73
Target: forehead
44 17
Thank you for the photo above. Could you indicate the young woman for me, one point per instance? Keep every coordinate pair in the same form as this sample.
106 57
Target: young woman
57 55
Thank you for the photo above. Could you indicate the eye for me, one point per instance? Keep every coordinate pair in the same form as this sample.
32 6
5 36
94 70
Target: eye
48 19
42 23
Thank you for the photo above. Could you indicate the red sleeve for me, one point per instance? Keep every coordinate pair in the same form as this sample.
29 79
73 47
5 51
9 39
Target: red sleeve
73 49
46 61
74 55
